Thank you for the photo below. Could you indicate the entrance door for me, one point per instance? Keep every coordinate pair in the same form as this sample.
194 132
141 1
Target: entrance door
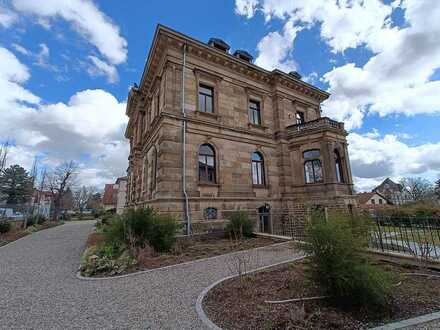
263 215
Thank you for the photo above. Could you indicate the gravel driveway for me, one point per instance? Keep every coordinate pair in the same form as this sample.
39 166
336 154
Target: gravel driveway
39 289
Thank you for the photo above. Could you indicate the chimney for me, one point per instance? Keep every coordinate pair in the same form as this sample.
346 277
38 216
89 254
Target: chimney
243 55
219 44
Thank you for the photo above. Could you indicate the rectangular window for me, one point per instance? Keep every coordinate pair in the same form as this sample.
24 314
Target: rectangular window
254 112
206 99
300 117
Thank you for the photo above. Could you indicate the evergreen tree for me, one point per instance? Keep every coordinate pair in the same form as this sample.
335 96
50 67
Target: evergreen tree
437 188
15 185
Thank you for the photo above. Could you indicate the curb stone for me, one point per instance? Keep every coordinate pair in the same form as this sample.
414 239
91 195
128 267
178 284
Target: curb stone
410 322
199 308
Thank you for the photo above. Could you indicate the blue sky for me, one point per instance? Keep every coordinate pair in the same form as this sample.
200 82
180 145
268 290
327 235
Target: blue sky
66 67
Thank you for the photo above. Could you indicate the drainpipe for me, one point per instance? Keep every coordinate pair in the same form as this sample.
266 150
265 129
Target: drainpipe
185 194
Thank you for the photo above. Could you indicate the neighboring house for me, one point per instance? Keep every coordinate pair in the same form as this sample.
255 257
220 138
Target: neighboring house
254 139
372 200
121 195
42 203
109 199
392 191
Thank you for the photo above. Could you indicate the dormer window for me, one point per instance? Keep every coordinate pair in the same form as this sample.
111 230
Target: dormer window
219 44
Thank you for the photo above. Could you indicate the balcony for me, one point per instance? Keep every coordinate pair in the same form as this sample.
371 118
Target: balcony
317 125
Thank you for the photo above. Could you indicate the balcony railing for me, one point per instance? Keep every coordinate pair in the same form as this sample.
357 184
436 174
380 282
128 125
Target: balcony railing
322 123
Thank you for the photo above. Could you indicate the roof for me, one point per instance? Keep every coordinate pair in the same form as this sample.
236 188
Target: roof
366 196
122 178
161 29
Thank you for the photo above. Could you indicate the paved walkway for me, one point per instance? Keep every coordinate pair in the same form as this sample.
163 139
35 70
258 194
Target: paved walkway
39 290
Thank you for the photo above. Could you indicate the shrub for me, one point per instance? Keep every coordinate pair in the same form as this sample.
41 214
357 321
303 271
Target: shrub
141 227
101 259
239 225
163 233
337 264
5 226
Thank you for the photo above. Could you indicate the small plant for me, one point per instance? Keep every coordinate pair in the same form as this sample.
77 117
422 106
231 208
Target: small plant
37 219
5 226
103 259
337 264
239 225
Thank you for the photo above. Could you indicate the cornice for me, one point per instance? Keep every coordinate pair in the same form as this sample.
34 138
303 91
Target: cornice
166 37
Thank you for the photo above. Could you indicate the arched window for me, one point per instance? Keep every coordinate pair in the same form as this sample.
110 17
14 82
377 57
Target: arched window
207 164
338 168
154 169
257 169
312 166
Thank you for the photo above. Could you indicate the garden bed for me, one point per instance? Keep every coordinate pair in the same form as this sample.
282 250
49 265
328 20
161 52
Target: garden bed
239 303
17 233
188 249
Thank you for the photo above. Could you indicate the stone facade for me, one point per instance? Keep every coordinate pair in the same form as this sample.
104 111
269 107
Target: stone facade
155 131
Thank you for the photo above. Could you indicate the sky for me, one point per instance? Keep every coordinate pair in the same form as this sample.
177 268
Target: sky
66 68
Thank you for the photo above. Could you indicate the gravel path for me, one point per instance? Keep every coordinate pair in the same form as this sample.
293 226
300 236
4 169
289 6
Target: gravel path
39 289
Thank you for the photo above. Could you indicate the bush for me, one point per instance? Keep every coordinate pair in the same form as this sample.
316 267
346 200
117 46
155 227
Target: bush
104 259
337 264
5 226
239 225
163 233
141 227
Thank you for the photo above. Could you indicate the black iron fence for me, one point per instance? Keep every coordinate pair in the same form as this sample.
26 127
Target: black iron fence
419 237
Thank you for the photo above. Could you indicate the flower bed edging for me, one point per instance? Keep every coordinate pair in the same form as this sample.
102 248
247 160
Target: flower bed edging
86 278
199 308
409 322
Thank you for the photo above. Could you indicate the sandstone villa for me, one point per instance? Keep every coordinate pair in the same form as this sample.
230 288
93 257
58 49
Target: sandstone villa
210 133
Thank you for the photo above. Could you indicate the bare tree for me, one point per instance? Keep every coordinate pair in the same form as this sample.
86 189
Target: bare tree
418 189
82 197
4 148
59 181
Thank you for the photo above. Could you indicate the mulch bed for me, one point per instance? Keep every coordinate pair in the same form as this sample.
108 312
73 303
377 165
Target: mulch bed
16 234
204 247
189 249
240 303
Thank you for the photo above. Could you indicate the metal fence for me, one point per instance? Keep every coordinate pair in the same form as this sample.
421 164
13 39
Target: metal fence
280 224
418 237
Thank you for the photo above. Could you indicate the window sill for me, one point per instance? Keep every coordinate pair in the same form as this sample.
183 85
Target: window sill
208 184
260 186
261 127
209 115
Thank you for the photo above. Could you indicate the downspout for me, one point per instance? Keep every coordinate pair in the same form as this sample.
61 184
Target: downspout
185 194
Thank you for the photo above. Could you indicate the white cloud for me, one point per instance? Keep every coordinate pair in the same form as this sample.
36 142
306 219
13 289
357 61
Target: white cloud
100 67
374 158
20 49
7 17
246 7
274 48
396 79
88 128
86 19
344 23
42 57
